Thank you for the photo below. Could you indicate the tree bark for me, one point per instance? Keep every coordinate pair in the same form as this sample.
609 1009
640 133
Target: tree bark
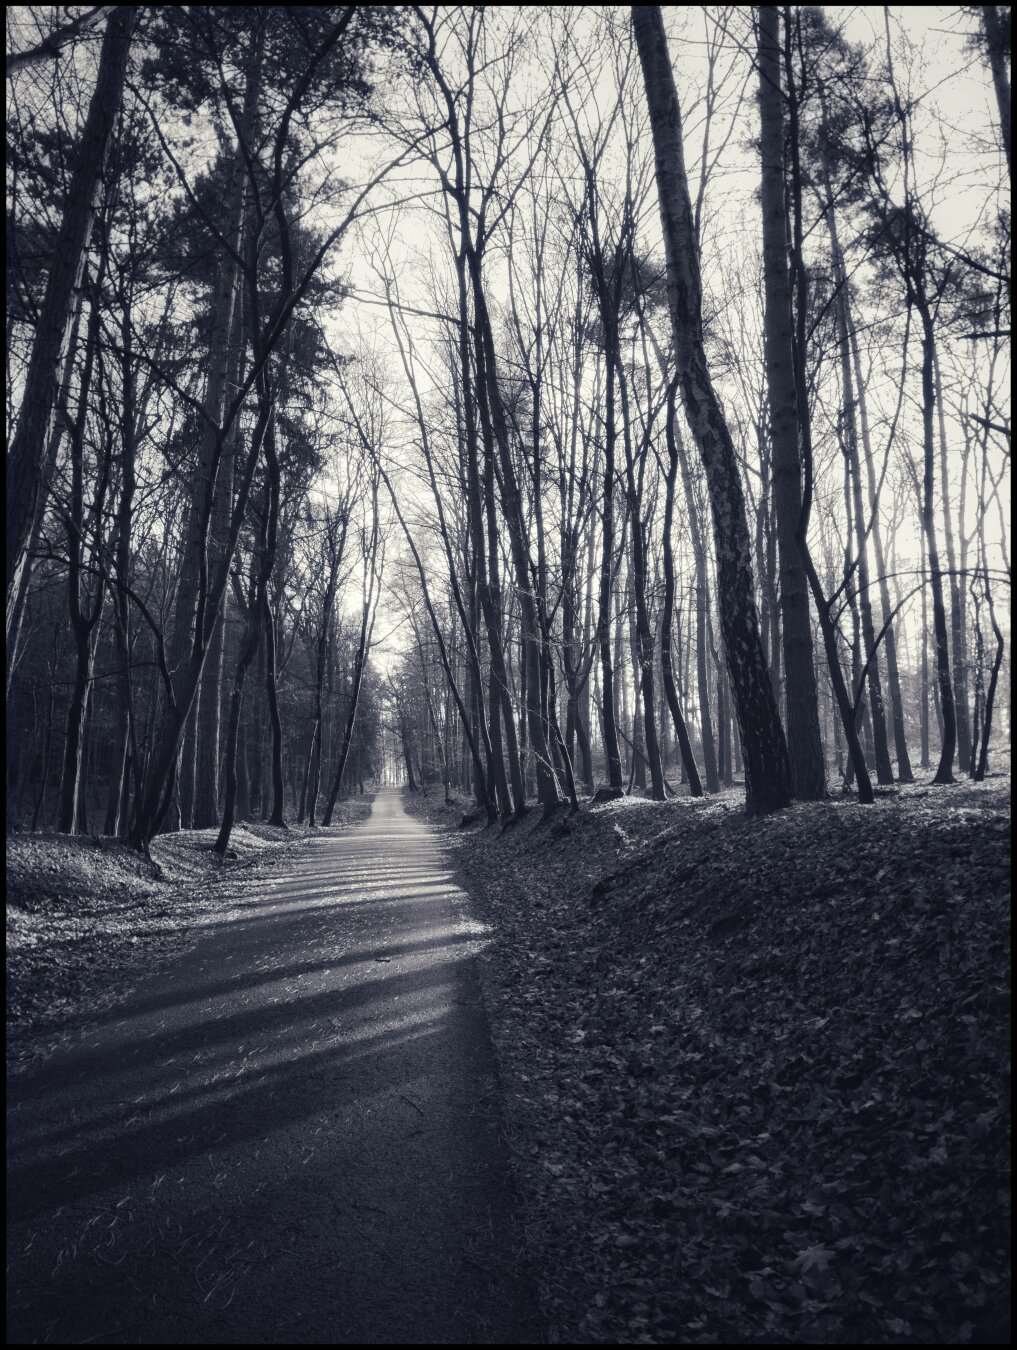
205 808
84 608
997 45
681 730
805 744
944 770
900 743
767 766
26 459
881 749
958 617
249 644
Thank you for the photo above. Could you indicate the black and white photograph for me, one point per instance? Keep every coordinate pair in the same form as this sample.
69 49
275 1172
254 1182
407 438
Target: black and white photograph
508 674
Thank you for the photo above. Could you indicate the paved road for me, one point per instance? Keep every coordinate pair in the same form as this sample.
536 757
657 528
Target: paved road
287 1136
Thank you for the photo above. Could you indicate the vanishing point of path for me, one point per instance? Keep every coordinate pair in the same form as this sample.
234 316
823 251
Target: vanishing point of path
288 1135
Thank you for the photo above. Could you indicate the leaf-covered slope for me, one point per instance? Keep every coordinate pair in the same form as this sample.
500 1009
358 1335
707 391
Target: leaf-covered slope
757 1070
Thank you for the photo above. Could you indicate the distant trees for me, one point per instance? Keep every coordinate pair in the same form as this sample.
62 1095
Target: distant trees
239 423
272 524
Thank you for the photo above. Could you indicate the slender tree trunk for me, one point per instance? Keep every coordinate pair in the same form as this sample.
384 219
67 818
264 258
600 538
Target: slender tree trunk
69 820
944 771
642 629
767 766
958 618
926 750
491 603
231 784
881 748
900 743
848 709
681 730
982 765
276 817
185 772
702 607
83 616
26 458
209 700
607 695
801 696
351 716
127 730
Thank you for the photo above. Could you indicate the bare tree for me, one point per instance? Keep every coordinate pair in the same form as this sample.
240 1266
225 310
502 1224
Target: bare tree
26 457
767 767
802 700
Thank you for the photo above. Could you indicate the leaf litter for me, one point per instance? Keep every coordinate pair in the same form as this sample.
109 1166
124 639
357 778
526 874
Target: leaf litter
755 1072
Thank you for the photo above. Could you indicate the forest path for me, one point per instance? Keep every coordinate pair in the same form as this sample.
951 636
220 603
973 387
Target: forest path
287 1136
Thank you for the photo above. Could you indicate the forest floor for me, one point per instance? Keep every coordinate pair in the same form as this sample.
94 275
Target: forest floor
755 1072
87 916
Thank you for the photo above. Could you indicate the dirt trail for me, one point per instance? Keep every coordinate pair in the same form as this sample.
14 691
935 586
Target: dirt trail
289 1135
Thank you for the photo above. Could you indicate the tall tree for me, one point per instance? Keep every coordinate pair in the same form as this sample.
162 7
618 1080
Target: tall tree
768 785
995 27
801 696
26 458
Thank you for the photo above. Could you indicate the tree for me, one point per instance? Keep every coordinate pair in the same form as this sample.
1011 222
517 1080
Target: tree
767 767
308 75
801 699
26 457
995 27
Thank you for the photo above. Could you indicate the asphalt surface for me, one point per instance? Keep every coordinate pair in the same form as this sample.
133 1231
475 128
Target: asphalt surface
289 1135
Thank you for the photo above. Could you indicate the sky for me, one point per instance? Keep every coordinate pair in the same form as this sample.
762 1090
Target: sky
933 57
934 62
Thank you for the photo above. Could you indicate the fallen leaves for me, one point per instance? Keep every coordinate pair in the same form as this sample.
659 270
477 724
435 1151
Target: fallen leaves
812 1258
777 1055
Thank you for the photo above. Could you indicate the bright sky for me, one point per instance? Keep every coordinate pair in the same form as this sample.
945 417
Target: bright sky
933 59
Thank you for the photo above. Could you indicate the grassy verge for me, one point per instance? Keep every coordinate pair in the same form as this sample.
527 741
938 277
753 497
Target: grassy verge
756 1072
87 916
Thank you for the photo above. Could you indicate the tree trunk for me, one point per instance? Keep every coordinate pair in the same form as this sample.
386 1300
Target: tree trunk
848 708
26 459
607 697
681 730
767 766
702 607
926 749
958 619
276 816
900 743
207 748
944 771
801 696
248 646
884 769
997 41
84 610
203 586
642 630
